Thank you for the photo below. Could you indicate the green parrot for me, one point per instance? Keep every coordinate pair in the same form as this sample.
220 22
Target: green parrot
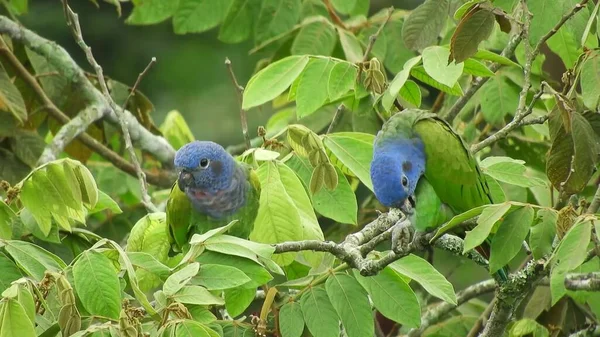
212 190
418 153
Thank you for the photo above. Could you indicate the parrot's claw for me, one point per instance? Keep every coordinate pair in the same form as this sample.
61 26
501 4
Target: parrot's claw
401 235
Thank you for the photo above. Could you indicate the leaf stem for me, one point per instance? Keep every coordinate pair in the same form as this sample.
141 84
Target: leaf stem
240 94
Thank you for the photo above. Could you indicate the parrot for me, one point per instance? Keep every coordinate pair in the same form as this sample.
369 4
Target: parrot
417 152
212 189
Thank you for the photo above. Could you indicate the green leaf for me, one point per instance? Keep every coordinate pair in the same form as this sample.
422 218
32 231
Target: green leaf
10 272
201 314
351 46
97 284
319 314
308 220
148 263
7 215
499 97
476 68
510 171
278 219
398 82
452 327
590 81
276 17
273 80
33 260
351 303
150 12
176 130
464 8
189 328
238 299
564 44
14 320
105 202
339 204
180 278
490 215
424 24
197 16
528 327
473 28
150 235
344 6
426 275
315 38
232 245
570 254
573 155
420 74
435 62
217 277
201 238
312 86
291 322
10 97
545 16
354 150
253 270
393 297
411 93
543 232
197 295
27 146
490 56
458 219
509 238
237 25
341 80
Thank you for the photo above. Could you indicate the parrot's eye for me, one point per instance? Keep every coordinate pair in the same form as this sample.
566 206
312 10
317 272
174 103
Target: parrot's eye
404 181
204 163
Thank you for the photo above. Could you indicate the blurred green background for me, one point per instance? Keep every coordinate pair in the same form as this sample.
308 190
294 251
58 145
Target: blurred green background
189 76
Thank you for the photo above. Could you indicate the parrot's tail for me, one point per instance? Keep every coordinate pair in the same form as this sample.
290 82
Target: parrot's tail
484 250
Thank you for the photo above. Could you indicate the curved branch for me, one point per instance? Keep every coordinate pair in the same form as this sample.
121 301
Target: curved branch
60 58
588 282
435 314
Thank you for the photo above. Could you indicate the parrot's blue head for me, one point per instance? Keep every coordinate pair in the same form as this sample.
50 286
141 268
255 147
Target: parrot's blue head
205 168
395 170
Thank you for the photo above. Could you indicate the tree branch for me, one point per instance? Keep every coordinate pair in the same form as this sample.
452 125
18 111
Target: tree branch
73 23
60 58
240 94
435 314
357 245
523 111
478 82
589 282
75 129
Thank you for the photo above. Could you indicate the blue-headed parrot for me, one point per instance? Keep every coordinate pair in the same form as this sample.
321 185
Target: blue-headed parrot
416 153
212 190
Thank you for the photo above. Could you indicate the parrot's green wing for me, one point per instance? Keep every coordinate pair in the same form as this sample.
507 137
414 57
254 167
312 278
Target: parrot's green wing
430 212
450 168
183 220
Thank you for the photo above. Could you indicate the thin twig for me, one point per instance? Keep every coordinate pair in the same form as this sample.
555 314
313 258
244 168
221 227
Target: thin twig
338 114
523 111
333 15
74 130
478 82
515 123
137 82
239 90
476 328
73 23
435 314
372 40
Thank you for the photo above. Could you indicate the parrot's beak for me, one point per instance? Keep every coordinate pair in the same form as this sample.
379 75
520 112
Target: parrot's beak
186 179
409 204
